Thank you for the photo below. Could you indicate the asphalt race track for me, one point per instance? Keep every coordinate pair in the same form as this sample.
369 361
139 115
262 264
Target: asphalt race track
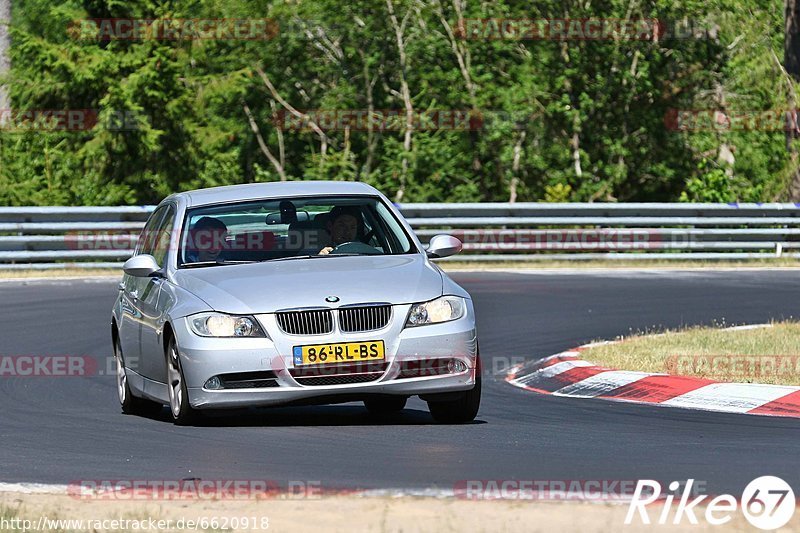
63 429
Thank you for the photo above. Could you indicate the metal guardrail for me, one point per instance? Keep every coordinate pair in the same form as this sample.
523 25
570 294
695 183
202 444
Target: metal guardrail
100 237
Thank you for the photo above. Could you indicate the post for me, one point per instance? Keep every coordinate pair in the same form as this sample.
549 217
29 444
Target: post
5 47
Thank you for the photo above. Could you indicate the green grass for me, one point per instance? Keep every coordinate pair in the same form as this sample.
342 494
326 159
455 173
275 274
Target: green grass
60 273
763 355
7 512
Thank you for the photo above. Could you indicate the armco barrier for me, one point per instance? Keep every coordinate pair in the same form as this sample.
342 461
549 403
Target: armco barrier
46 237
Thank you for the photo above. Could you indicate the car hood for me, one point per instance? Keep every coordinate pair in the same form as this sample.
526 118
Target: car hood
271 286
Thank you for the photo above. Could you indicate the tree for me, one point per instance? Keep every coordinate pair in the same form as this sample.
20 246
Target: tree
791 63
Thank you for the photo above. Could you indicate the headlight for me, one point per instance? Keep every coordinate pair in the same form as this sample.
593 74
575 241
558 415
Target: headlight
220 325
442 309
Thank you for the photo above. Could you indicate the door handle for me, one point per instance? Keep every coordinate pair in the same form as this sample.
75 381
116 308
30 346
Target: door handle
135 295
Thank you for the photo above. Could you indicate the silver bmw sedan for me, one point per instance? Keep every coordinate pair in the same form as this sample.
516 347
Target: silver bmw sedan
286 293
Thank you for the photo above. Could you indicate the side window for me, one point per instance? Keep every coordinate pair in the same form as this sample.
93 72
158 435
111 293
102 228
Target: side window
163 234
392 231
372 228
145 244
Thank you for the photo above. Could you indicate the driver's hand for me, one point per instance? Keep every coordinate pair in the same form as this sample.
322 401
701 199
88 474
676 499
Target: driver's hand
326 250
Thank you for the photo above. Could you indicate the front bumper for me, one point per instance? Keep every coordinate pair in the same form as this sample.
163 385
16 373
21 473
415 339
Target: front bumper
203 358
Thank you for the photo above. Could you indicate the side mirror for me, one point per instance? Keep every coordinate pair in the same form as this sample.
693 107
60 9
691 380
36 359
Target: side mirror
443 246
142 266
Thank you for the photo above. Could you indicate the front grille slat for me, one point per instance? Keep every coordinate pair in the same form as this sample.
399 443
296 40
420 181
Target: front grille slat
364 318
323 381
354 319
318 376
310 322
249 380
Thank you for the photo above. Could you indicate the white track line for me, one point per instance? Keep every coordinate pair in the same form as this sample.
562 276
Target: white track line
600 384
551 371
33 488
730 397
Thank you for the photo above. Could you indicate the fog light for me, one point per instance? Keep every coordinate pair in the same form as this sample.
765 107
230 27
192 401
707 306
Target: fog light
213 384
456 366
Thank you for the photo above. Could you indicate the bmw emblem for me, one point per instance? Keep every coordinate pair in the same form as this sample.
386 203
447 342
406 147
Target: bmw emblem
332 299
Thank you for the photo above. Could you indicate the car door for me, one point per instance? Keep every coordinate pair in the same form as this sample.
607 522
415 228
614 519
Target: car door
153 316
132 287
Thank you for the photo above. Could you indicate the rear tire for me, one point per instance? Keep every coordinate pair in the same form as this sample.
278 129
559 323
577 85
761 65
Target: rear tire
130 404
462 410
179 407
386 404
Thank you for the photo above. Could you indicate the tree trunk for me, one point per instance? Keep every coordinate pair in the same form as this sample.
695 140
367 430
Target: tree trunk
406 95
791 62
5 45
263 145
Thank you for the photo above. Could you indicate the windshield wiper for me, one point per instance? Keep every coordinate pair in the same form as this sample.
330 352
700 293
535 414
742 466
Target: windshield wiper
315 256
198 264
288 258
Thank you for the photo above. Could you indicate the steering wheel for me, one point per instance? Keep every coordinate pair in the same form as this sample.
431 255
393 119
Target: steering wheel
355 247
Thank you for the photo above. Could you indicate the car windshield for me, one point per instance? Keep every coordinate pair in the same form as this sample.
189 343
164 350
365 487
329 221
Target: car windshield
290 228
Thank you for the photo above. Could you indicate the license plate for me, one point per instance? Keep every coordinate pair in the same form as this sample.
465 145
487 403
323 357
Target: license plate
343 352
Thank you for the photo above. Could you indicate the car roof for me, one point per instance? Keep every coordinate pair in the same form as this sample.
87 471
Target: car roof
255 191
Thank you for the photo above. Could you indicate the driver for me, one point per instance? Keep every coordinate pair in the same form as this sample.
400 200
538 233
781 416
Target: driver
208 237
343 224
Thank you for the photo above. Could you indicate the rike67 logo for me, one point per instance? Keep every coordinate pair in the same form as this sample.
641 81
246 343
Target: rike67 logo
767 502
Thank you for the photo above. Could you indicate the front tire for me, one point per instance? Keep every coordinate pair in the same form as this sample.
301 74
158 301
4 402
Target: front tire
182 412
130 404
462 410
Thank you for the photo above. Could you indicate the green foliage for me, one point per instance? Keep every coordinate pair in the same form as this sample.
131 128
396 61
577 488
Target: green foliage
557 193
578 120
713 186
